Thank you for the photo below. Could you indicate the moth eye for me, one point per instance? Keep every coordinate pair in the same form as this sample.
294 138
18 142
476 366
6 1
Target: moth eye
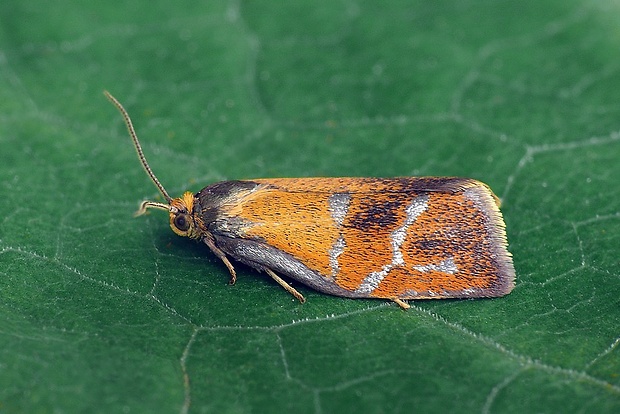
181 222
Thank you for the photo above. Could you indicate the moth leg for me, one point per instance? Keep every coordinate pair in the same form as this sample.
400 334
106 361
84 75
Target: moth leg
223 258
401 303
285 285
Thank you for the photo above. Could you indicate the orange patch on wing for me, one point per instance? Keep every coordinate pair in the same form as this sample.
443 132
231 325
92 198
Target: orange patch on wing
453 229
367 230
294 222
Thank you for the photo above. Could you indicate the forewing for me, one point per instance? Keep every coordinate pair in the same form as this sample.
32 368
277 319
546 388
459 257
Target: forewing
391 238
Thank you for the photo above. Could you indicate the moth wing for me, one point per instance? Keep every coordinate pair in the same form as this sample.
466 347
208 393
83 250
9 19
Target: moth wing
401 238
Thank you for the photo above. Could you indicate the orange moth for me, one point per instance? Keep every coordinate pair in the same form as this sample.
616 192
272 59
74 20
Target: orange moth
391 238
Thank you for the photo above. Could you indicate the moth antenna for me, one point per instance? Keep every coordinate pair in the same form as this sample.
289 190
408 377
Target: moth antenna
151 204
145 165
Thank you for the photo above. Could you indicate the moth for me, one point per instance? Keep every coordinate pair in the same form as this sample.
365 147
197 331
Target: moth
389 238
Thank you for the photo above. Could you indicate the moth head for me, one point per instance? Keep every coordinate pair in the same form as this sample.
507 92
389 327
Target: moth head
181 211
182 219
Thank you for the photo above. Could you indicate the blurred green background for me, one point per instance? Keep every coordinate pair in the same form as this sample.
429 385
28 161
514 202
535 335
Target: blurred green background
100 312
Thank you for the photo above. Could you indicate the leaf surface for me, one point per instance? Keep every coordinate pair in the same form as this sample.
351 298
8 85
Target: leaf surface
100 312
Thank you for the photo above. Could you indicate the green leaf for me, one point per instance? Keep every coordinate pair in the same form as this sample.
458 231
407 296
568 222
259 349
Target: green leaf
101 312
